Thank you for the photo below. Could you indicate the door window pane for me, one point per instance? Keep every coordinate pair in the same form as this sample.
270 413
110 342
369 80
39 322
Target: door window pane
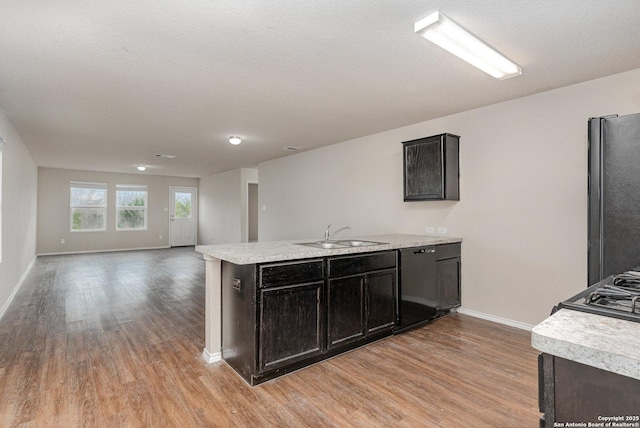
183 205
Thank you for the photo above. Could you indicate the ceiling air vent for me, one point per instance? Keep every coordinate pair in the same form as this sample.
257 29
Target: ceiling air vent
162 155
291 149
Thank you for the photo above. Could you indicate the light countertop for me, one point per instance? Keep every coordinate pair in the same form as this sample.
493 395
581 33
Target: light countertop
603 342
260 252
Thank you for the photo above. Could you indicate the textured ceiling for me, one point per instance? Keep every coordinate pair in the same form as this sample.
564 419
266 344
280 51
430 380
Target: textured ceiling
104 85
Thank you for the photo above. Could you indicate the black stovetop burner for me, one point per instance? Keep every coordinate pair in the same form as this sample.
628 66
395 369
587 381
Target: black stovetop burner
617 296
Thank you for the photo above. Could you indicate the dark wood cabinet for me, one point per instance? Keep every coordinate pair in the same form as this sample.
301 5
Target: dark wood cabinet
571 392
431 168
278 317
290 312
448 271
239 320
272 316
361 303
381 301
345 320
290 324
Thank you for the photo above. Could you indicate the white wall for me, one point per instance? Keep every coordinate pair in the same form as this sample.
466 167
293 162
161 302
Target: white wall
222 207
19 205
523 207
247 176
54 212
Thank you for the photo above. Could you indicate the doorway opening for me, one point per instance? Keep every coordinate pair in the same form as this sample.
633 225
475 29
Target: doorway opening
252 211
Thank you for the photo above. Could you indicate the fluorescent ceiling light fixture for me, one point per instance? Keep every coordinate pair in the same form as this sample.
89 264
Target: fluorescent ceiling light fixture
235 140
445 33
141 167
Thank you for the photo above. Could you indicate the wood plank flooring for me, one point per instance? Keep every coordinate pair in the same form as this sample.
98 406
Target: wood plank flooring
114 340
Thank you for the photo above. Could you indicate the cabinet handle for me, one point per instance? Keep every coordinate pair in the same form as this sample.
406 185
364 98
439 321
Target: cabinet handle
423 250
237 284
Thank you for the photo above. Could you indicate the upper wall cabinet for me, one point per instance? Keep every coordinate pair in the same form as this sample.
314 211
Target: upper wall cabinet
431 168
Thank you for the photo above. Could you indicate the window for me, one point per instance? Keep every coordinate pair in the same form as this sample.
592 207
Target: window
1 144
88 206
131 207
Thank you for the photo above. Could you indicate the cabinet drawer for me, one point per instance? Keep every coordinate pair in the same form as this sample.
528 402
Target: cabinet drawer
353 265
447 251
301 272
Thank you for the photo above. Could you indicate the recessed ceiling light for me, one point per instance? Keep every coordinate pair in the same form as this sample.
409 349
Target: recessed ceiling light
162 155
235 140
141 167
445 33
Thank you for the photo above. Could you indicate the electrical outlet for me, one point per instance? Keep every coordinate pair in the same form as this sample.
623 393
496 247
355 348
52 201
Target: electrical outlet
62 241
160 237
429 229
442 230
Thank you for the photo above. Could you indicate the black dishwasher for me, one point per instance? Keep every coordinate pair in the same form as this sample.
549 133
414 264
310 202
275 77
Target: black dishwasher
417 286
429 284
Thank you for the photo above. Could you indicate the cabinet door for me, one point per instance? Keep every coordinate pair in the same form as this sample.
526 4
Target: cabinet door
345 310
424 169
448 283
431 168
381 296
290 324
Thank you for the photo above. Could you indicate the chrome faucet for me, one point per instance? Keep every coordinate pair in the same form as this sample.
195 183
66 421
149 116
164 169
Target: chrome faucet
328 236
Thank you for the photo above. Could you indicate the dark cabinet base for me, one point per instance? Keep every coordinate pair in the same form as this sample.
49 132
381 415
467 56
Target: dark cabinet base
291 323
279 317
571 392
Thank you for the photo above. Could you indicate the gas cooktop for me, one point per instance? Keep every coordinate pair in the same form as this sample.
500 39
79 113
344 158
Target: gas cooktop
617 296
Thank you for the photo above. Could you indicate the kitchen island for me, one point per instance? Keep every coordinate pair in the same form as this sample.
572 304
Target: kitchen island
249 254
590 369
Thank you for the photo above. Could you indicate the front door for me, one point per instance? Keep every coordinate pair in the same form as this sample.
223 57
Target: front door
184 209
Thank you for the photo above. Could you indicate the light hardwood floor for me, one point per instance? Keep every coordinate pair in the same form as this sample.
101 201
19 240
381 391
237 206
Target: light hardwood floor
114 340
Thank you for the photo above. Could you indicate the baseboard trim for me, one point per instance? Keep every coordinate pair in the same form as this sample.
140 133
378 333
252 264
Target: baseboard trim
211 358
499 320
5 307
104 251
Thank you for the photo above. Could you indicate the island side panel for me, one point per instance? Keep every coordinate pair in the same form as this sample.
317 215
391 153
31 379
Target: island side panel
239 319
213 310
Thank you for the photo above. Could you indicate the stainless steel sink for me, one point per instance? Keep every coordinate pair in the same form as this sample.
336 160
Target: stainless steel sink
323 244
358 243
332 245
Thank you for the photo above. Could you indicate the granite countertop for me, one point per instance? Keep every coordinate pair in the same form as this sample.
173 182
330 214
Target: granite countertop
603 342
260 252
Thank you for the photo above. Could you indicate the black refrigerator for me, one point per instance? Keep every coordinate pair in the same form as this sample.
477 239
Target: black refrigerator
614 195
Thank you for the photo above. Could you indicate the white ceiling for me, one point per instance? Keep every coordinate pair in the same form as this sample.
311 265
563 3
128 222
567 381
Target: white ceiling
105 85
